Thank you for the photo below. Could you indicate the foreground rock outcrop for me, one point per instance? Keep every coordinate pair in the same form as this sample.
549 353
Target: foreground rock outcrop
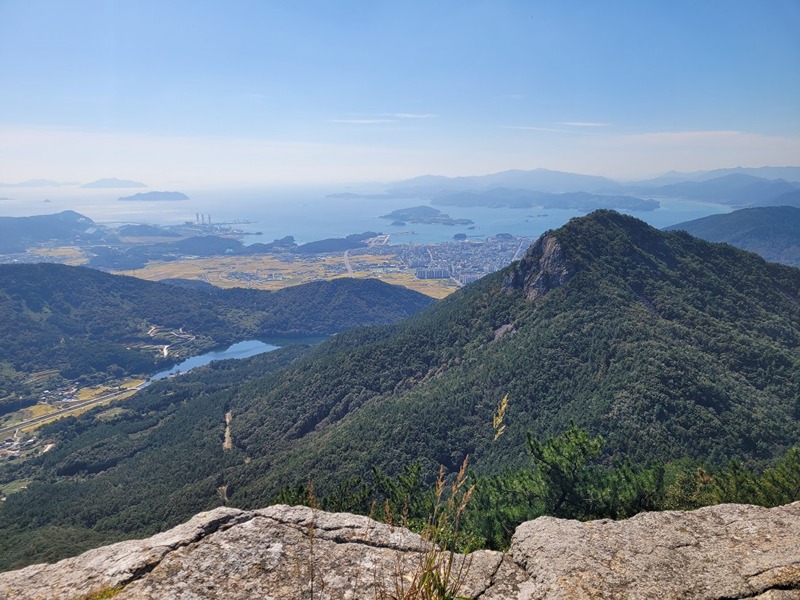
722 552
543 268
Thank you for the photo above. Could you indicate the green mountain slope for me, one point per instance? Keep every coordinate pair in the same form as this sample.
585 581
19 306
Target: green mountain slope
17 234
88 324
772 232
666 345
663 343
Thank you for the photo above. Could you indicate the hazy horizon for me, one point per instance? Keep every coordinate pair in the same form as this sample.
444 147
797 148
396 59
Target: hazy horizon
264 93
29 187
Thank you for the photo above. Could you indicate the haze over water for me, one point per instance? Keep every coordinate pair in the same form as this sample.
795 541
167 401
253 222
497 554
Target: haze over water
308 214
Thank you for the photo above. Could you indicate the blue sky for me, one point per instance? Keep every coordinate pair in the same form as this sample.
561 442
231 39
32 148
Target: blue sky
213 92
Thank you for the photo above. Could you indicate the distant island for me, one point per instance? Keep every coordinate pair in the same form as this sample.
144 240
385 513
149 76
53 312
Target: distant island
424 214
157 196
519 198
353 196
113 182
352 241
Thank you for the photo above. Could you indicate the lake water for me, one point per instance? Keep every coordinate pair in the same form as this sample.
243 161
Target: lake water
244 349
308 214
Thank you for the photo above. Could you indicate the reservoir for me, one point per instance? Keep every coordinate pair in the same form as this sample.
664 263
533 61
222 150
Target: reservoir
244 349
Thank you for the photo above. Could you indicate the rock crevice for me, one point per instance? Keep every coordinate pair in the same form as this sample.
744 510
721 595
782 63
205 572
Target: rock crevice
543 269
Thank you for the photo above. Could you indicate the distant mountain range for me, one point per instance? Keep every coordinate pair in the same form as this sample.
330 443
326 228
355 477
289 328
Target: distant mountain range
542 180
735 190
36 183
110 182
520 198
740 186
113 182
787 173
773 232
763 186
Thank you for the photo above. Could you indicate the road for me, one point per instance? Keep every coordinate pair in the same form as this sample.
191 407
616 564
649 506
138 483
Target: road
66 411
347 263
379 240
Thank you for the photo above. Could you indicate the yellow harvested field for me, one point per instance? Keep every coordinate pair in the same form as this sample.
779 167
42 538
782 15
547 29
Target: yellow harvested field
31 412
39 410
260 272
79 411
435 288
69 255
91 392
269 273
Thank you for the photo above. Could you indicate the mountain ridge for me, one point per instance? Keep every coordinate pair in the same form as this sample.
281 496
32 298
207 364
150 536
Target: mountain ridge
669 347
17 234
773 232
83 322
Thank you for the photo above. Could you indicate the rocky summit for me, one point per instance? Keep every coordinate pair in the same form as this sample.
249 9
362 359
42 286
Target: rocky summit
281 552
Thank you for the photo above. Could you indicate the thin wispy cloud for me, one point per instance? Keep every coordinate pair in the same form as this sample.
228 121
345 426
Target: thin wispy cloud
384 118
584 124
363 121
534 128
567 127
412 115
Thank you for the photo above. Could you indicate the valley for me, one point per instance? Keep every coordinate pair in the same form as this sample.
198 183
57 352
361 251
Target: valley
663 360
212 255
274 273
656 368
19 422
67 327
411 301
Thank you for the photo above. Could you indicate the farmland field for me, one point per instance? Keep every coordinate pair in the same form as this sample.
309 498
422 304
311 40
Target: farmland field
270 273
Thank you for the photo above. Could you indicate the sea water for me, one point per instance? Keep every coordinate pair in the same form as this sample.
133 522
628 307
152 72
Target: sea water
309 214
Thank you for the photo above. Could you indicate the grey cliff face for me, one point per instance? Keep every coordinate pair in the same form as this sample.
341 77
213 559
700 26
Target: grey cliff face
543 268
722 552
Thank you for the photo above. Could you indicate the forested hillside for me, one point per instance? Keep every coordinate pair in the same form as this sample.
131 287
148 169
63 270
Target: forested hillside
671 348
68 227
665 344
772 232
90 325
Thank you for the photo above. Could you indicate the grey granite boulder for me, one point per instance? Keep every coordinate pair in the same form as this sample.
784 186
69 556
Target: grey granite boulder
722 552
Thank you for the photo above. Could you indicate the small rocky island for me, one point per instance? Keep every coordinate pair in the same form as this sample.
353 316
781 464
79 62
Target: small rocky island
424 214
155 196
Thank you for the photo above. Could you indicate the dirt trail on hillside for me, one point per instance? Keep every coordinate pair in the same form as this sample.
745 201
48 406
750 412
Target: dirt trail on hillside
228 443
